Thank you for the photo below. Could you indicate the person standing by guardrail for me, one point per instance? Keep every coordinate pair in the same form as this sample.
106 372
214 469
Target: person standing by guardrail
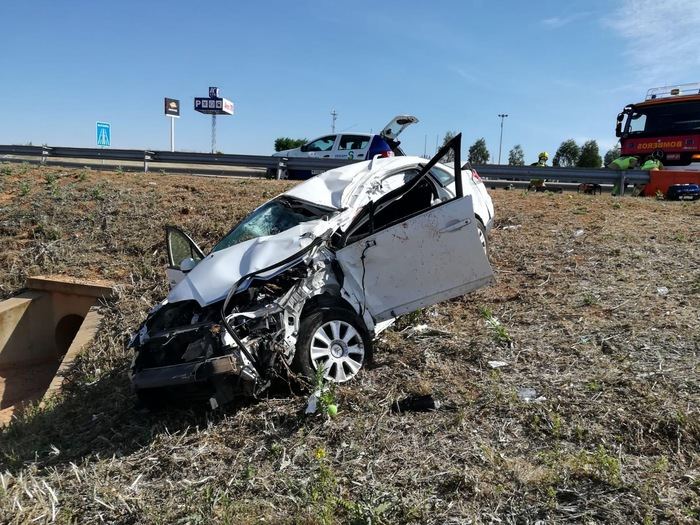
538 184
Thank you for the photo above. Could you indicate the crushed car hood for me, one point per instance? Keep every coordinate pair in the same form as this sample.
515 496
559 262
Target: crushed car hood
212 278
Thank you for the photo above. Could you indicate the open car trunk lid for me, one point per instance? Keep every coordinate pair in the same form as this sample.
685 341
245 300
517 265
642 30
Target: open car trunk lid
396 125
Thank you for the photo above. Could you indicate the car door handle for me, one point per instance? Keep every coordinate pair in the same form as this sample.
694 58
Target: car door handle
456 225
326 156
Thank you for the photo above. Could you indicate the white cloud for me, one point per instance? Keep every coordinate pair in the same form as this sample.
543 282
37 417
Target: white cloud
556 22
662 38
468 77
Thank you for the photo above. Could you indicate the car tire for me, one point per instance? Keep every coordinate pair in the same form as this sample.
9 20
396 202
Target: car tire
336 338
483 238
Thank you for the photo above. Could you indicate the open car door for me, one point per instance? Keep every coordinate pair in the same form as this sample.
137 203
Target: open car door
418 260
183 254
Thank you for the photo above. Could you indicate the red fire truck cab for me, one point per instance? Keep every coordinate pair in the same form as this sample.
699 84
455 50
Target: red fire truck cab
666 124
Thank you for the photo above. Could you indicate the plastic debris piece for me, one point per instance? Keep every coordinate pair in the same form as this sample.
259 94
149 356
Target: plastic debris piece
497 364
527 394
312 404
578 233
662 291
416 403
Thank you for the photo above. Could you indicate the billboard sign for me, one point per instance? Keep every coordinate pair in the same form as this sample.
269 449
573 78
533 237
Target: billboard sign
172 107
104 134
213 106
213 92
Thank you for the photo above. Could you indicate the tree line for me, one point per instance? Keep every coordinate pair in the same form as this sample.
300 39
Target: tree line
569 154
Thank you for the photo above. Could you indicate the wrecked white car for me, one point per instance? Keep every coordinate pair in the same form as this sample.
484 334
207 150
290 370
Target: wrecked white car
308 279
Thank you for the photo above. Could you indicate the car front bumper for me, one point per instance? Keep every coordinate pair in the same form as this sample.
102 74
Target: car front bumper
185 373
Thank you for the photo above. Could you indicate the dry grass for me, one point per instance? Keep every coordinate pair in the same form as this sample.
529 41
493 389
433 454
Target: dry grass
614 435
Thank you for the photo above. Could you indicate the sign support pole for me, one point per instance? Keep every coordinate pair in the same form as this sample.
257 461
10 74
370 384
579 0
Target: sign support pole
172 133
213 132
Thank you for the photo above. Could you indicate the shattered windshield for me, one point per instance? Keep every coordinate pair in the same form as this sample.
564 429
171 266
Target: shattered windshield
271 218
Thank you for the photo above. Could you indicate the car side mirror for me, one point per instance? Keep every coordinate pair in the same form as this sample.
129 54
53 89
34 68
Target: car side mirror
187 264
618 126
304 148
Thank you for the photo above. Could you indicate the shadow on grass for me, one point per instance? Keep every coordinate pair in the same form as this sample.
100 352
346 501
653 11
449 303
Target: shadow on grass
104 419
98 419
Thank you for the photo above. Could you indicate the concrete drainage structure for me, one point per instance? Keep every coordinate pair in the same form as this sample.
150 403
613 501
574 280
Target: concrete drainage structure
42 330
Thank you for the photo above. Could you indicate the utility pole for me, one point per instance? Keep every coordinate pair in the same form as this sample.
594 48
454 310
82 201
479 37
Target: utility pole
500 142
334 116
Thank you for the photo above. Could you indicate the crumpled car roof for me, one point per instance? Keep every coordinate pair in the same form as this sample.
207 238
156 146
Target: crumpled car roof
339 187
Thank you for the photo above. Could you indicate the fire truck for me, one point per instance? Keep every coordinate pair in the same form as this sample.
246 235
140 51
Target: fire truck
665 126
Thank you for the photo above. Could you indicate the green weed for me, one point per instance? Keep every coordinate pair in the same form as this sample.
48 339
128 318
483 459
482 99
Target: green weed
598 465
24 188
660 465
97 193
499 332
327 399
594 386
323 488
589 299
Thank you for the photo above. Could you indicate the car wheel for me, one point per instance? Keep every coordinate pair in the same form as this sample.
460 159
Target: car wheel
335 339
483 238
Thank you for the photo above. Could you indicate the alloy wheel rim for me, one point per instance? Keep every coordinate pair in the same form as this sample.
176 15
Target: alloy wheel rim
482 239
337 347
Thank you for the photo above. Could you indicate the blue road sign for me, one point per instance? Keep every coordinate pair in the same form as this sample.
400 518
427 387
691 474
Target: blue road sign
104 134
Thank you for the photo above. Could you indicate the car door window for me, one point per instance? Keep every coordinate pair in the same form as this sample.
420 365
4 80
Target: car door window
416 195
322 144
353 142
417 199
180 247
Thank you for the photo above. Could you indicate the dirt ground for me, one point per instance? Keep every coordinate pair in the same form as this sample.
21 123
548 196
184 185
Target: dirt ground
23 383
570 389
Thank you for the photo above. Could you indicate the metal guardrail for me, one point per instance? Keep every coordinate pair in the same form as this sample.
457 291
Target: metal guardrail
146 156
581 175
282 164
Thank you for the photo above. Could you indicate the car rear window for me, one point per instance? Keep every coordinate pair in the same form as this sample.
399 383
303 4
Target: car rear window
442 176
353 142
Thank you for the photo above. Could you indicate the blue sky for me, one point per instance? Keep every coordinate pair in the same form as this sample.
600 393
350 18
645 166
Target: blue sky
559 69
